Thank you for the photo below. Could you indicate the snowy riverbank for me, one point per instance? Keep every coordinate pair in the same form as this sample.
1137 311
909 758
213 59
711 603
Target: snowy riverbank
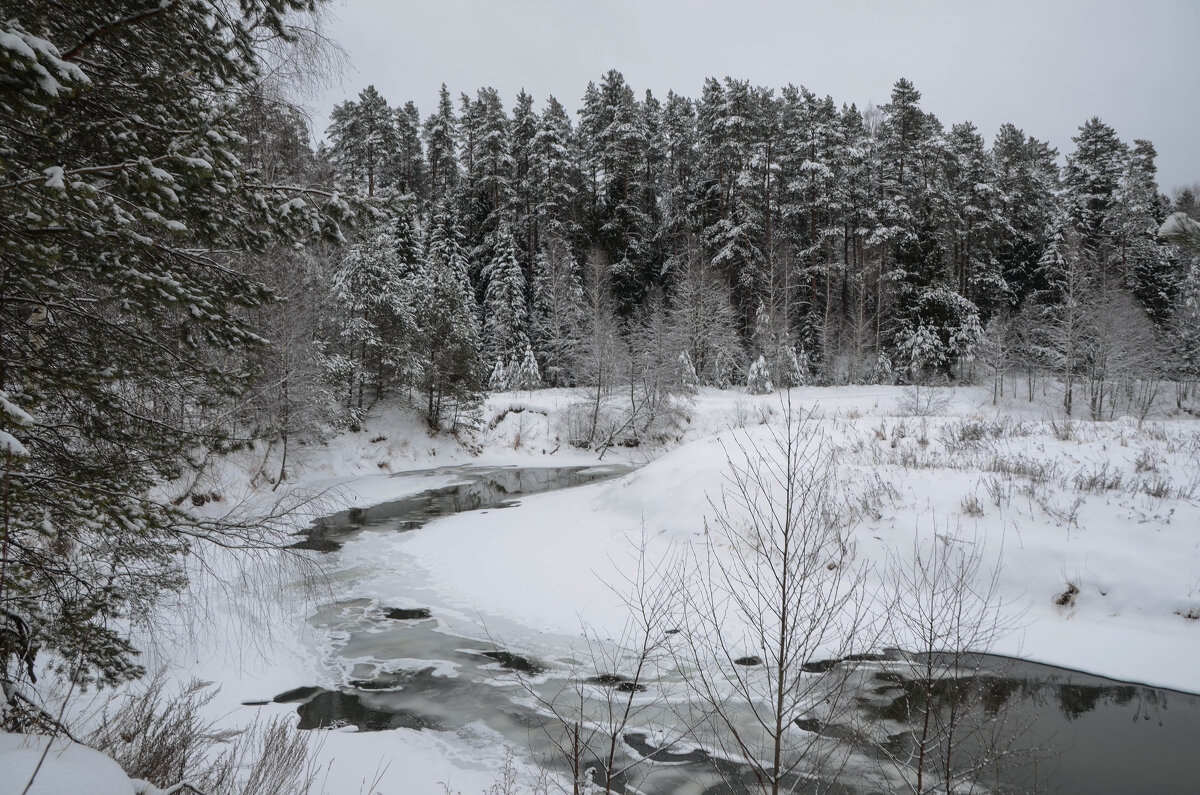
1102 513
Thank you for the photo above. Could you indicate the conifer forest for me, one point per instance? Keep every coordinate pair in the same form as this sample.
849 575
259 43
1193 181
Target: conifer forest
836 441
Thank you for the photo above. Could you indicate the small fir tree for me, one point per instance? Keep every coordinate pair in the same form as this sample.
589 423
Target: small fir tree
524 374
498 380
758 379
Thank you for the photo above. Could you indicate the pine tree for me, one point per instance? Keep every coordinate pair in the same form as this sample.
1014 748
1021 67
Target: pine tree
909 250
365 140
733 230
650 185
524 183
862 233
807 198
680 189
587 151
125 208
441 147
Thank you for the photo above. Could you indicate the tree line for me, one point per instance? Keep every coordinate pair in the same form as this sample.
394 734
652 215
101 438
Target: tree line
775 237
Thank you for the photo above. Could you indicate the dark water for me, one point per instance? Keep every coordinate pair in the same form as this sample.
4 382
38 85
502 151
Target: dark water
1051 729
1038 728
479 488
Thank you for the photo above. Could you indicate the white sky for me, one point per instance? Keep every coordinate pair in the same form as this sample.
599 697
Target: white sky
1045 66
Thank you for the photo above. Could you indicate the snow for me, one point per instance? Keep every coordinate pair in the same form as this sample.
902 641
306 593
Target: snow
54 178
549 563
66 767
10 445
42 54
16 413
536 574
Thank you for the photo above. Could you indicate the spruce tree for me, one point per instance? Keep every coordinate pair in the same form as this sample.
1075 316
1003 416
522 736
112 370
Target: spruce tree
125 209
621 225
491 162
973 220
1146 262
410 170
524 373
1025 195
1093 181
554 173
505 315
758 378
374 288
451 373
557 319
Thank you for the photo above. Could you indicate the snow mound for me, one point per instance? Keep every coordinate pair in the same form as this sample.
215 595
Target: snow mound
69 768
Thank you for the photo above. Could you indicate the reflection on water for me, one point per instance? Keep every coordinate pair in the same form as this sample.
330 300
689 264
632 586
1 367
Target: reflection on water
1037 728
1046 729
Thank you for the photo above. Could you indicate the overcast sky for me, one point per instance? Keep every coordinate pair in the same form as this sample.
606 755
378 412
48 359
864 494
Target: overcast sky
1046 66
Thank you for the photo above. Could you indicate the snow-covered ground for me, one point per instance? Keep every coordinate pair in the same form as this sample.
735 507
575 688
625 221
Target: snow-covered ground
1110 511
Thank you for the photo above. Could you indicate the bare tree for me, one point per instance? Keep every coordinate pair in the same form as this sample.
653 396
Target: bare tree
945 613
776 594
703 324
1065 333
614 689
600 363
996 350
1126 364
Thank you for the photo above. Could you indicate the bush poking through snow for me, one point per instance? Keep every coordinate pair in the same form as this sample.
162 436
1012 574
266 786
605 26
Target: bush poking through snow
971 506
1067 597
923 401
972 432
163 739
1146 461
1065 430
1098 480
